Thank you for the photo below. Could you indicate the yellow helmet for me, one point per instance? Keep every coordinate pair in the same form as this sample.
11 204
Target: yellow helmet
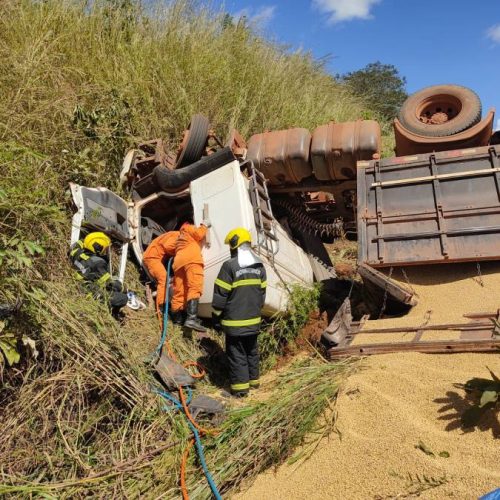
237 237
97 242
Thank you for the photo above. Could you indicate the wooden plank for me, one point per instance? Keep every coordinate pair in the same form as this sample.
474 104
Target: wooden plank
428 178
434 347
481 315
418 335
446 326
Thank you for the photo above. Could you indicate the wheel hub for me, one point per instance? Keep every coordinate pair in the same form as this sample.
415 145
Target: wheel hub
438 118
438 109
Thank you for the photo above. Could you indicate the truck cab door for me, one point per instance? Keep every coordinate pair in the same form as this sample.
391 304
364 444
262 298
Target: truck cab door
224 196
99 209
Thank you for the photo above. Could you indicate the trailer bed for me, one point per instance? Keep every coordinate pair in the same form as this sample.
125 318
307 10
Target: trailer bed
430 208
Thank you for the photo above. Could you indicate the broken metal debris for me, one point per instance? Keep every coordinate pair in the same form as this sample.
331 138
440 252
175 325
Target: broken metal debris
340 326
475 336
172 373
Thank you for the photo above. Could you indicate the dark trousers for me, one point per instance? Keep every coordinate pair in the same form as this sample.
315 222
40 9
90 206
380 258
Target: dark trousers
116 299
243 356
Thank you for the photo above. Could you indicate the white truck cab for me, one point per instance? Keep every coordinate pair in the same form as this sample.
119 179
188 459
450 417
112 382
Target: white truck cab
229 199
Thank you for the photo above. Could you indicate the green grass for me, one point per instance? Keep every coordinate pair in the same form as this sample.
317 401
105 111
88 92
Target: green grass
82 84
78 86
284 329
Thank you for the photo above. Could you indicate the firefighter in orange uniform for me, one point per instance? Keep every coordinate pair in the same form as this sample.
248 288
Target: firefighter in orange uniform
155 258
188 273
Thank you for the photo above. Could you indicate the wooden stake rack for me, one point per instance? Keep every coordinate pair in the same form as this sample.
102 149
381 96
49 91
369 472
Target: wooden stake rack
479 335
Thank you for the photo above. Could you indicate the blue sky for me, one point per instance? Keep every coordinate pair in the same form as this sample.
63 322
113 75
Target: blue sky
429 41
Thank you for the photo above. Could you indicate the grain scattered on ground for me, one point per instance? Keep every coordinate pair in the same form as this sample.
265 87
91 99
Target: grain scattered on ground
400 401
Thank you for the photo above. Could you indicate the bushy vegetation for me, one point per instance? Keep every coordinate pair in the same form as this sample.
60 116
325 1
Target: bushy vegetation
380 86
80 82
283 330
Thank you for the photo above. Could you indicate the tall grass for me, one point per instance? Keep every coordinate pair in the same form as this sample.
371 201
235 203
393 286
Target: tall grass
91 80
79 83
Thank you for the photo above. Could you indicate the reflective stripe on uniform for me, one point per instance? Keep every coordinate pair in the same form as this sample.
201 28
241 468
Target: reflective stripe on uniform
240 322
84 256
216 312
254 383
223 284
240 387
248 282
103 279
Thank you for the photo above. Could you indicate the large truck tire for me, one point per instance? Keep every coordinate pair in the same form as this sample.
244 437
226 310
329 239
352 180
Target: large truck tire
440 111
194 142
177 180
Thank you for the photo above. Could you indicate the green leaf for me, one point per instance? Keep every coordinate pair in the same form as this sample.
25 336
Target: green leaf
37 294
33 248
444 454
489 396
8 345
23 260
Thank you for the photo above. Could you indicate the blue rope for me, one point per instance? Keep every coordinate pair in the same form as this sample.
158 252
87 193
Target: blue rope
177 404
165 310
174 400
197 439
201 456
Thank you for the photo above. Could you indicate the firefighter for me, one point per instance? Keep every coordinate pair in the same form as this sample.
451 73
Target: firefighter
188 273
90 257
156 256
239 295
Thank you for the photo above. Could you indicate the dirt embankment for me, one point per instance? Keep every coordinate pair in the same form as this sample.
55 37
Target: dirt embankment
399 433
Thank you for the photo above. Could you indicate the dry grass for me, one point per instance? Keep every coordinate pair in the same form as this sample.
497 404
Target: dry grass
92 81
78 85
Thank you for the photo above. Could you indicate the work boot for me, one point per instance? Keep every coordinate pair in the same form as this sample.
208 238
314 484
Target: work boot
192 320
239 394
176 317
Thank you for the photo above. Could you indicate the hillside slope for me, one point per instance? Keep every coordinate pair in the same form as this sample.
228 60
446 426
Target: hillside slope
78 86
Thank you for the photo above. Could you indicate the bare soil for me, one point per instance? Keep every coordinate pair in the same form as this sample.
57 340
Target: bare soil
343 254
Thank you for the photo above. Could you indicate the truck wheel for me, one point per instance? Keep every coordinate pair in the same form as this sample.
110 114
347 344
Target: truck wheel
440 111
194 141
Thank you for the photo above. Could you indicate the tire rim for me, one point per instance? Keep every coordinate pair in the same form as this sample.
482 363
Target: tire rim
438 109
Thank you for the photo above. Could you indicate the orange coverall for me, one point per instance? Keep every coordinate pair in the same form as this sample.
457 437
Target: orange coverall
188 266
160 249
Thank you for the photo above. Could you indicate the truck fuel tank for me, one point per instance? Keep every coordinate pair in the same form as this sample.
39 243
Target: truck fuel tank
336 147
282 155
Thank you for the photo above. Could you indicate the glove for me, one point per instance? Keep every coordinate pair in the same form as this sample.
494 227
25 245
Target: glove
114 285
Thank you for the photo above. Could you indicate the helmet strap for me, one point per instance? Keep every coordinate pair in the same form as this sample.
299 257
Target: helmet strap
233 242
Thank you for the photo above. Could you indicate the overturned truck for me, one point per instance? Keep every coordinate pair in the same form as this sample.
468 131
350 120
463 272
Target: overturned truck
296 191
